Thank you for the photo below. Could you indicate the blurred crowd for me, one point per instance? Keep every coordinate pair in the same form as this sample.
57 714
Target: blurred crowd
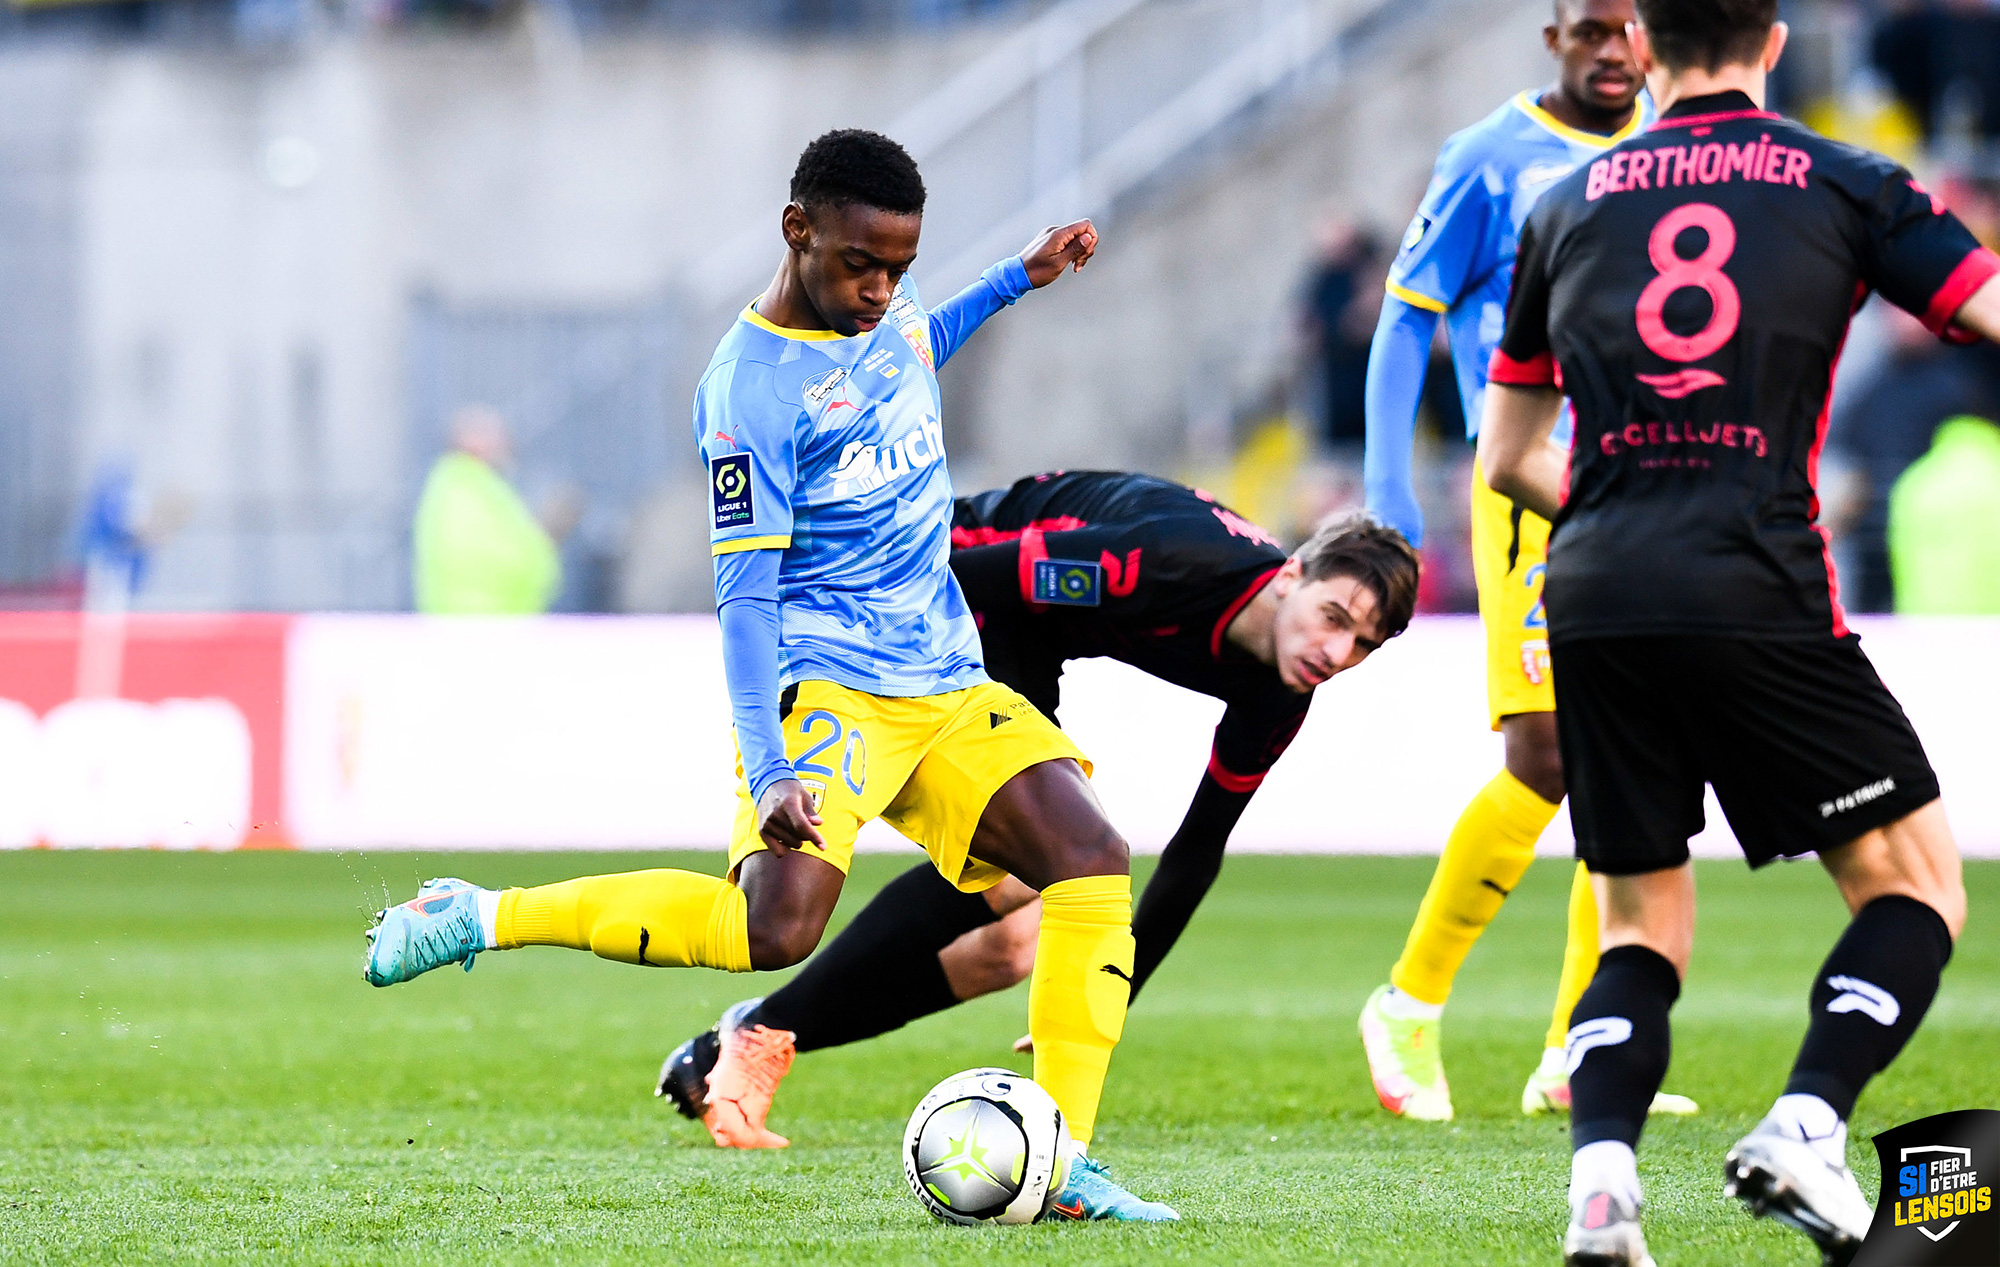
1910 476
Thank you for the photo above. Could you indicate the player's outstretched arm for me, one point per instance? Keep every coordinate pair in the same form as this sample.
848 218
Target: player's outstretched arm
1981 313
1398 359
1187 869
1514 448
953 321
1059 247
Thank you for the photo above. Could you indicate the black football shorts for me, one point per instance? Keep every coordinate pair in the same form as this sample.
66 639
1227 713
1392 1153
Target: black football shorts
1804 745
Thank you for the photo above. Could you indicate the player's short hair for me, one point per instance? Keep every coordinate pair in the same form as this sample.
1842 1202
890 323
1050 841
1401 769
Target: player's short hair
1363 547
851 165
1707 33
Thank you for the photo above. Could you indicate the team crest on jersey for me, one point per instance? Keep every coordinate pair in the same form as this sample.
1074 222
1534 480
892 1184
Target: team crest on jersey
909 321
1068 582
1420 224
729 494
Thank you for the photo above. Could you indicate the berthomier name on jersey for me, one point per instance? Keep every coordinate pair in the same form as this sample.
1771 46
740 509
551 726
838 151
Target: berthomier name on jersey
1727 435
1715 163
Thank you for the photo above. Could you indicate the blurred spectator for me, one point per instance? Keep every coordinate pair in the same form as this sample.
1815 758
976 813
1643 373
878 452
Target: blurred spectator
1944 524
122 527
1880 431
1943 60
478 549
1343 298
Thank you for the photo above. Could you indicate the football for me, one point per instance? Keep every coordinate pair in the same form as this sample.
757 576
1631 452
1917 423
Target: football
986 1146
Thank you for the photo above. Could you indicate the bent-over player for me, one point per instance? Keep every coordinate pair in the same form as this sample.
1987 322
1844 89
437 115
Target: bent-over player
852 658
1690 292
1063 567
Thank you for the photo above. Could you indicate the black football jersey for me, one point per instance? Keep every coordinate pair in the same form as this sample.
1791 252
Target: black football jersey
1075 564
1690 292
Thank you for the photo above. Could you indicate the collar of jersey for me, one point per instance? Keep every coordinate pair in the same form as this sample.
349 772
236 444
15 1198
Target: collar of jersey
755 318
1529 107
1714 107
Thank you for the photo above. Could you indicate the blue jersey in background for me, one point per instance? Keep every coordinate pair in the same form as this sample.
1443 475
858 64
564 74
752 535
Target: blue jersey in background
1456 264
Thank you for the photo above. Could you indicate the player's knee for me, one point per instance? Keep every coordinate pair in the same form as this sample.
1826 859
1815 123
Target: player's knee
1534 757
782 941
1096 850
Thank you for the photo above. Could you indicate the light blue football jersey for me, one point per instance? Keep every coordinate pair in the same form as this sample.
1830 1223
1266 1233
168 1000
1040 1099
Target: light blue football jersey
830 449
1458 256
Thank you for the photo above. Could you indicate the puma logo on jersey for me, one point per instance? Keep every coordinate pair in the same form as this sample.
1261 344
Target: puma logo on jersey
1865 997
1605 1031
863 467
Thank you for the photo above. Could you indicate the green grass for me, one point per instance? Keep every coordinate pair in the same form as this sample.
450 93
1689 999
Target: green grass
191 1070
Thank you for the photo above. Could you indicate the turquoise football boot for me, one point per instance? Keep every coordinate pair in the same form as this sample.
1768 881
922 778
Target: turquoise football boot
438 926
1088 1193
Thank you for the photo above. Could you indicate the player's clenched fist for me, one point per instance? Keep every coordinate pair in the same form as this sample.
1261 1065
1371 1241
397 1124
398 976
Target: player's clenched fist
1067 246
785 817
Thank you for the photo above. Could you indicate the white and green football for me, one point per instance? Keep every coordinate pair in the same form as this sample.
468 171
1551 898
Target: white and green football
986 1146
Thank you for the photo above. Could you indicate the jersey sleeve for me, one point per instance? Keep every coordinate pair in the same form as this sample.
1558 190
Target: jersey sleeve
1252 735
748 435
1443 244
953 321
1523 357
1919 255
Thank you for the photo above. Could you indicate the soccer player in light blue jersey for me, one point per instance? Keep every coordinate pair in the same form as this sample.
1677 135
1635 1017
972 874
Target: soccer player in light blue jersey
855 672
1455 266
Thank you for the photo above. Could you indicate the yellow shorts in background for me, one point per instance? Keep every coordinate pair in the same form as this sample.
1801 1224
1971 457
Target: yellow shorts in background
1510 552
925 764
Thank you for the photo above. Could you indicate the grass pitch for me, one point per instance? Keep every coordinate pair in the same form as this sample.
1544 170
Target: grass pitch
191 1070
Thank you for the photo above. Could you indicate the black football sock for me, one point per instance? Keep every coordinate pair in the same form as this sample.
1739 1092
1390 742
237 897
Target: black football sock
882 972
1870 995
1619 1043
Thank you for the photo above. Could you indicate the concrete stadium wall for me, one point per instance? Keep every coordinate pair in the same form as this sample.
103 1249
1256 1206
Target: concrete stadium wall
240 237
343 732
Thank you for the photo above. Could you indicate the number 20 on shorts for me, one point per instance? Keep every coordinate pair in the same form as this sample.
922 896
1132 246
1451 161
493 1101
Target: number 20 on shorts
853 754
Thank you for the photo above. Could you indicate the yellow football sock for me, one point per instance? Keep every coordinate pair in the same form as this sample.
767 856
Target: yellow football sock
1082 983
661 918
1579 954
1489 848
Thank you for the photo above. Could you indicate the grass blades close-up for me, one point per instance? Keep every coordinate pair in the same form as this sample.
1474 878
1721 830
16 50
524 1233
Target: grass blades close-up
192 1070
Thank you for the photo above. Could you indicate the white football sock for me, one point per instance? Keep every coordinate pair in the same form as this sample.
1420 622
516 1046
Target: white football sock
1609 1165
489 917
1405 1007
1813 1120
1553 1062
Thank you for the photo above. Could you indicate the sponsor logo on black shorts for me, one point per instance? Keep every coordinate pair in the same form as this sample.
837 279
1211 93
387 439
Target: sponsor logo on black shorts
1857 798
1069 582
1936 1206
729 490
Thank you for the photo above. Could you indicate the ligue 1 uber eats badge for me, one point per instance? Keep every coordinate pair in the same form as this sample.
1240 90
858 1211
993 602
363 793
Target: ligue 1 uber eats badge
1936 1208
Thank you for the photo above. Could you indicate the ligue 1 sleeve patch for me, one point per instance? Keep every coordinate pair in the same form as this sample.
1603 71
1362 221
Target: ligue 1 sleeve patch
729 490
1068 583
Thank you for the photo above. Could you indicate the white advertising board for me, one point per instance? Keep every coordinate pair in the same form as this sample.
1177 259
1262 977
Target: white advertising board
614 732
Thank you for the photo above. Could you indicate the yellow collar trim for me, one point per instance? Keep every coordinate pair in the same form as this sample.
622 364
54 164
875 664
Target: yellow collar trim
1533 110
755 318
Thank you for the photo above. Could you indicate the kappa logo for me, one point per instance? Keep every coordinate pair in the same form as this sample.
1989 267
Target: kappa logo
1865 997
1604 1031
864 467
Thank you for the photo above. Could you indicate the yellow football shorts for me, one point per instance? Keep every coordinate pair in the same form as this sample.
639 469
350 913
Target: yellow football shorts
926 764
1510 552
